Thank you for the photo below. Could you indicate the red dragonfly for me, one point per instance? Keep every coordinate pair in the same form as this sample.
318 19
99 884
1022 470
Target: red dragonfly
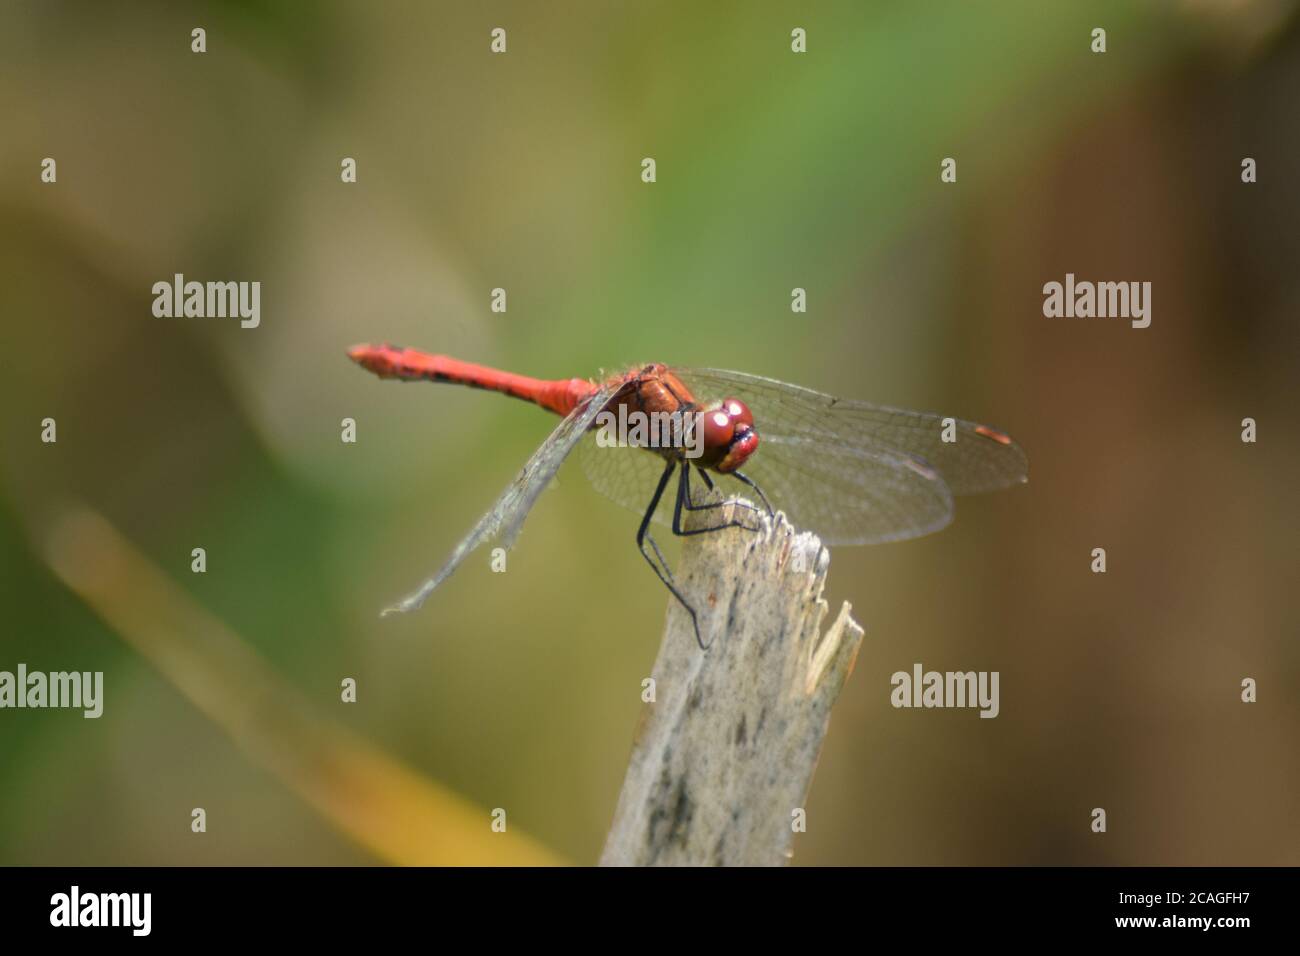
853 473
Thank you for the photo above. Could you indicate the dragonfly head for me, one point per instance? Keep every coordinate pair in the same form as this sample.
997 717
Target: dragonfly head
729 436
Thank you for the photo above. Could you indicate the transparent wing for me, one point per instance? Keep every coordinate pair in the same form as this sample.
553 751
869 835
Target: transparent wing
849 495
506 517
627 476
848 498
858 473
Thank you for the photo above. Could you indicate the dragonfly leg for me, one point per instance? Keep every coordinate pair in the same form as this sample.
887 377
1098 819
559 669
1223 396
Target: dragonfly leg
663 562
690 505
688 502
746 480
661 569
684 504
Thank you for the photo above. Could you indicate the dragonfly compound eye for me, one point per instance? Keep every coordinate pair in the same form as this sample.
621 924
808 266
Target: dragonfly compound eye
738 411
742 446
718 429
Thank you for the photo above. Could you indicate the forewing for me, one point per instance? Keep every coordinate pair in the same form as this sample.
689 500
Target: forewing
506 517
849 495
856 472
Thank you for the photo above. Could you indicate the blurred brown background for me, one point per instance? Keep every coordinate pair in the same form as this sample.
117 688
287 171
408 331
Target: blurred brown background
775 170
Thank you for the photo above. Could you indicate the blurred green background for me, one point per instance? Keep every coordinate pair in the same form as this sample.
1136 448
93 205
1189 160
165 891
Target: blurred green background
775 170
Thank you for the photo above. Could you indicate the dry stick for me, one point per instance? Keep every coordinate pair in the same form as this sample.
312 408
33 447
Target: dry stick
724 755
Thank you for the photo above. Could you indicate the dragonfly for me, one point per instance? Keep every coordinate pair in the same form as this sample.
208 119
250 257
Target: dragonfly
852 472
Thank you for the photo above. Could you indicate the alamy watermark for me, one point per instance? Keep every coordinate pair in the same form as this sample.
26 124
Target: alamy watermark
947 689
78 690
637 429
1101 300
75 908
209 300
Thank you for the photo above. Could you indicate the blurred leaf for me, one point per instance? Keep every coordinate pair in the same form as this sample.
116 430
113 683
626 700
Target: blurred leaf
377 801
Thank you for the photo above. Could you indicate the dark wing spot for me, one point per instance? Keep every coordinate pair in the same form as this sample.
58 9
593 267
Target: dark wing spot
993 433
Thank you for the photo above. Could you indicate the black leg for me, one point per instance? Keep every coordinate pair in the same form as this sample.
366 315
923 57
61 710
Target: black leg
683 503
663 562
661 569
744 479
689 505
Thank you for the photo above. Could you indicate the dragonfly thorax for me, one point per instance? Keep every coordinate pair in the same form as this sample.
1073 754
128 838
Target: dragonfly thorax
720 438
